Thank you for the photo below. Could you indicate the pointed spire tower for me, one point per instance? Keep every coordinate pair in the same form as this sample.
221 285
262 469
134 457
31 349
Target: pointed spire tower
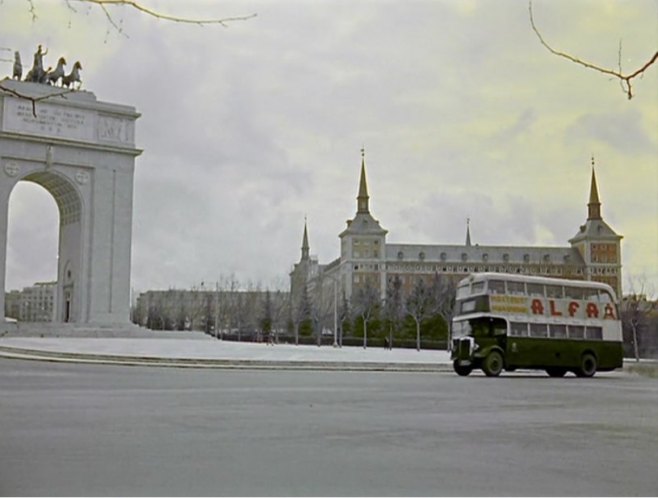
363 242
594 205
598 244
302 271
363 222
305 247
468 232
362 200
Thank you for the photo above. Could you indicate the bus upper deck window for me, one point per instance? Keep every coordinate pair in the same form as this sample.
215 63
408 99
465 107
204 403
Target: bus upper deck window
517 288
496 287
554 291
591 294
573 293
462 291
605 297
477 288
535 289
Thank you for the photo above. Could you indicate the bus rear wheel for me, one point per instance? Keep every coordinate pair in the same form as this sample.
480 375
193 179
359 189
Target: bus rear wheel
587 366
462 370
493 364
556 371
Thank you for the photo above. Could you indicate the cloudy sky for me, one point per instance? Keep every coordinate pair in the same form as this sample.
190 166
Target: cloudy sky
249 129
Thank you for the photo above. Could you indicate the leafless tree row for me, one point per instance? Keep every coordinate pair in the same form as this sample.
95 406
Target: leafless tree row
223 309
424 312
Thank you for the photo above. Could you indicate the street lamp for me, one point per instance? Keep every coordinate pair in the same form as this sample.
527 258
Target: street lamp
335 314
335 282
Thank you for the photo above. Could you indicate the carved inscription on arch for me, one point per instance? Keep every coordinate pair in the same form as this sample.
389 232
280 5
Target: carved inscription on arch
50 120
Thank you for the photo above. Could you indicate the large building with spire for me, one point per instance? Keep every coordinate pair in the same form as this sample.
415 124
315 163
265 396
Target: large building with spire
594 253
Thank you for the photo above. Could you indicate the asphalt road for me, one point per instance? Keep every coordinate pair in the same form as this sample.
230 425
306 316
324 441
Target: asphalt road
73 429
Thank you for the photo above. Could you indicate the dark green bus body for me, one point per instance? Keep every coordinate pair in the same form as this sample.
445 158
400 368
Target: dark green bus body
536 353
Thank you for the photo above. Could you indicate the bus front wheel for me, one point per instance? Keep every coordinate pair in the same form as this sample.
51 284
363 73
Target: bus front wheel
587 366
493 364
462 370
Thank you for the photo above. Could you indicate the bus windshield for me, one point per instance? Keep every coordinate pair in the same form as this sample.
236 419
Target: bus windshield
479 327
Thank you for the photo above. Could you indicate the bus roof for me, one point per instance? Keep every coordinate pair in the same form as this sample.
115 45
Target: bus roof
475 277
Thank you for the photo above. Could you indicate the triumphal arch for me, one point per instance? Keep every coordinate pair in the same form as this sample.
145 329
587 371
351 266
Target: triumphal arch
82 151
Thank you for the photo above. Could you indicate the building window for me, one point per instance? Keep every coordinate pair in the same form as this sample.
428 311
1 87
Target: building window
464 256
400 255
421 256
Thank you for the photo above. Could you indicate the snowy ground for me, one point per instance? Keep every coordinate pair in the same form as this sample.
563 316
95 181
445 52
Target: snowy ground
200 346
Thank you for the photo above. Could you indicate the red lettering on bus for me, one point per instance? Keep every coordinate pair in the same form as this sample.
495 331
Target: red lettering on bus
573 308
554 312
609 311
537 307
592 310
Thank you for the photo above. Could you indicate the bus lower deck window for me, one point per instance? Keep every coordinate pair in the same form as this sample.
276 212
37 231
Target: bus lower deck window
594 333
538 330
558 331
519 329
576 332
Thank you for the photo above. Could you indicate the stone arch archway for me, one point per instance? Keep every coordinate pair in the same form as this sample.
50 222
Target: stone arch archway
68 198
82 152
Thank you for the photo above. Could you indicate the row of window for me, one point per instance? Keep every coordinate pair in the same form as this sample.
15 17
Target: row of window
533 270
520 329
546 258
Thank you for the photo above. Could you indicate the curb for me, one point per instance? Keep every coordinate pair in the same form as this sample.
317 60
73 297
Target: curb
233 364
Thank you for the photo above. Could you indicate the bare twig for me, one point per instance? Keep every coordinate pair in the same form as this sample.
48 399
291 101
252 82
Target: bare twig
32 99
103 4
624 80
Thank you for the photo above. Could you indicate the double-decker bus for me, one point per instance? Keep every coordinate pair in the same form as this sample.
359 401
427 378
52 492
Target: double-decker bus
506 321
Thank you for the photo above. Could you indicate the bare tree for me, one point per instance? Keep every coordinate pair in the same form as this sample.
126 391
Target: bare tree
444 292
419 306
624 79
394 306
636 310
365 303
344 318
280 306
301 313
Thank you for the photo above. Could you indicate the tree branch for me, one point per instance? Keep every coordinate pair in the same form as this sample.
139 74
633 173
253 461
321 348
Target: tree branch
224 22
33 99
625 80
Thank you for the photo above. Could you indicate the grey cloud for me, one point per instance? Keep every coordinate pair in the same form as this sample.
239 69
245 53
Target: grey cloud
623 131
